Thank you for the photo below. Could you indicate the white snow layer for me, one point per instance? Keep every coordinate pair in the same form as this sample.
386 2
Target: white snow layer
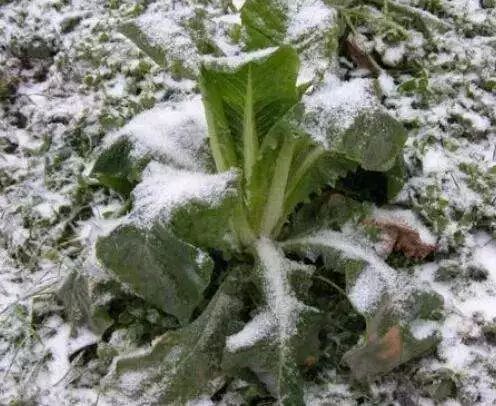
373 281
280 316
308 16
335 105
171 132
164 188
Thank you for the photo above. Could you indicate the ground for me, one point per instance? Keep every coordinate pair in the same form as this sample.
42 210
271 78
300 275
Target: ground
68 78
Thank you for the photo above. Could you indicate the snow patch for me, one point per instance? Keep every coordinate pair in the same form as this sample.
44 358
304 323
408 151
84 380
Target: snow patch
164 188
234 62
175 133
257 329
335 105
422 329
373 281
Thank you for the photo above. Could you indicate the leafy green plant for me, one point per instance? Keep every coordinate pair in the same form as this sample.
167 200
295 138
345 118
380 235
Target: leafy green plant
230 242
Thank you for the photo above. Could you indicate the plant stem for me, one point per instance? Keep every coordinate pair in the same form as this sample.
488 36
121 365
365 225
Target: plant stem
307 163
241 226
331 283
274 208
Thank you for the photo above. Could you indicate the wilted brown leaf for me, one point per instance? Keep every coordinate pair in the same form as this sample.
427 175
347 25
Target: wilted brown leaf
361 58
391 345
401 237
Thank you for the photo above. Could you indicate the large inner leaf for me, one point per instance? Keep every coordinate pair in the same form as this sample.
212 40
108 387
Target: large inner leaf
244 101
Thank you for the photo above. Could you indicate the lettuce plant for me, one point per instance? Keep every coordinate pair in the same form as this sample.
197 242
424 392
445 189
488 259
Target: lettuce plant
229 239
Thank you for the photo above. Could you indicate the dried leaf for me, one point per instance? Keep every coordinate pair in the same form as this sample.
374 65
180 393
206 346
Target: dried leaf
360 57
403 238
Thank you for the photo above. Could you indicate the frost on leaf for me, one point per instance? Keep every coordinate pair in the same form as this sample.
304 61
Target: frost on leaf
346 117
390 303
183 364
173 134
284 332
155 252
167 272
309 25
173 36
195 206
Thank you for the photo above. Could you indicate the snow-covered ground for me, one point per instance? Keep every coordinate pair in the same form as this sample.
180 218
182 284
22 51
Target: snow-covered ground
68 78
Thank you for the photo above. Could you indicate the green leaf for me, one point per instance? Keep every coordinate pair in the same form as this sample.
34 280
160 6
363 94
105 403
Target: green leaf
391 305
184 364
83 304
328 211
268 23
396 177
244 102
265 23
156 265
319 169
374 141
156 134
283 334
155 51
117 169
206 226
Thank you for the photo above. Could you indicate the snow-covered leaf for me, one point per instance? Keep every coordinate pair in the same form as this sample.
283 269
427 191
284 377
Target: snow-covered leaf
173 37
310 26
116 169
390 303
346 117
183 364
155 264
283 334
171 133
153 251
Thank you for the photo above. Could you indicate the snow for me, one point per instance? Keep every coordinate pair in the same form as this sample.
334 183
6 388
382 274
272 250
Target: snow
435 160
62 345
394 55
422 329
386 83
278 320
368 290
164 188
282 304
118 87
485 255
336 104
308 16
257 329
372 283
172 132
165 29
231 63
